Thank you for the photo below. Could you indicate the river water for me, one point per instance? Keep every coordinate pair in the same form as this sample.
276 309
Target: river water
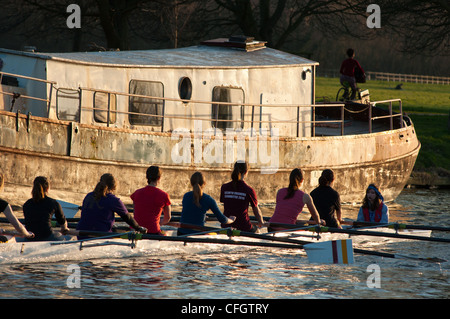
258 273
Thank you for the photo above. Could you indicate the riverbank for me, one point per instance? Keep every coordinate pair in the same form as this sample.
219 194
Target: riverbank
428 107
432 168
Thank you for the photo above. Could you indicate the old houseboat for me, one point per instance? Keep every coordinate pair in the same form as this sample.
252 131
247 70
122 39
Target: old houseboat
75 116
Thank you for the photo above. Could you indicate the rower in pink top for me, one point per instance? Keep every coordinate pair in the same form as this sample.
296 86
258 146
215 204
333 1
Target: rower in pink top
290 202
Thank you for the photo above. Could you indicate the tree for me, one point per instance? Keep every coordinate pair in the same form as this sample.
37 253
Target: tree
276 21
424 26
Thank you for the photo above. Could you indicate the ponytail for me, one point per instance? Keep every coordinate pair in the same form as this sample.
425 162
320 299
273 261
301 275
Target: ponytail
107 184
240 168
40 188
197 182
326 177
295 179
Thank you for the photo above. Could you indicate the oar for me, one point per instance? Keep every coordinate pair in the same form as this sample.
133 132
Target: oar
69 209
379 234
401 226
367 233
137 236
337 251
328 251
307 244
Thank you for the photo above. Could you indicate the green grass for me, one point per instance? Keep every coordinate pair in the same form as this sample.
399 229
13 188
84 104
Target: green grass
428 105
416 97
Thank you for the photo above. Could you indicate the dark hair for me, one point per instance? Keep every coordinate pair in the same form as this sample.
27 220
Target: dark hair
326 177
40 187
295 179
378 199
153 174
106 185
197 182
350 52
240 168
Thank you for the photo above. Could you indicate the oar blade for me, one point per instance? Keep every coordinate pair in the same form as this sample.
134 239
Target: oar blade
69 209
330 252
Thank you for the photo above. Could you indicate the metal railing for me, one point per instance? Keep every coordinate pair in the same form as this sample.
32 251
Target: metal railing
253 122
17 95
390 116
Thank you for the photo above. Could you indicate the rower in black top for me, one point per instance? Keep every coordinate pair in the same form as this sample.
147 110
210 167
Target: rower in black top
39 210
327 200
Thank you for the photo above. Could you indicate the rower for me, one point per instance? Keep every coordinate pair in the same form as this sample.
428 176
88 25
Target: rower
99 207
373 208
196 204
290 202
327 200
150 202
38 212
236 196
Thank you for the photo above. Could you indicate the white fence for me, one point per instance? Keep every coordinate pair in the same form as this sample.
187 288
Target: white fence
392 77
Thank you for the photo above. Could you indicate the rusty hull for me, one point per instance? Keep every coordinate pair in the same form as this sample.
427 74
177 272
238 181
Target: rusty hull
74 156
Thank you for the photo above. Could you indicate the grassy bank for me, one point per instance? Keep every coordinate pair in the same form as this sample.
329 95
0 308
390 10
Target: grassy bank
428 105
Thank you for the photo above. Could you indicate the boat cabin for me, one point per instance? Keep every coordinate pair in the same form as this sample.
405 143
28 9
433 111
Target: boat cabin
223 87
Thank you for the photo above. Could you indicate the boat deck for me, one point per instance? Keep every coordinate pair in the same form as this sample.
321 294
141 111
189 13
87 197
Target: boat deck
351 127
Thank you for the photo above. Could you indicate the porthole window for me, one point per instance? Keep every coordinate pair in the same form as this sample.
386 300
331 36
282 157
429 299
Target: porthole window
185 88
304 75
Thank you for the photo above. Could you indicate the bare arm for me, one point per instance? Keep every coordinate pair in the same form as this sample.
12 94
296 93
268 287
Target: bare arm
312 209
16 223
258 215
167 211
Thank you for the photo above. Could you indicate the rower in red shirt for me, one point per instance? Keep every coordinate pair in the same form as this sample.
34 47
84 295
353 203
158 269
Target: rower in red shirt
150 201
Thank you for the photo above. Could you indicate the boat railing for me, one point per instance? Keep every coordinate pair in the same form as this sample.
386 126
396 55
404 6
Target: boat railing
254 122
391 114
16 95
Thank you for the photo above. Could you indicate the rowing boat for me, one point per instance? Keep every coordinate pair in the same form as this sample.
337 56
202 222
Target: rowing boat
131 244
103 247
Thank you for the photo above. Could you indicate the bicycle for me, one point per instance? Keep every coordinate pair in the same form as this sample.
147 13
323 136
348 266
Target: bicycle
344 92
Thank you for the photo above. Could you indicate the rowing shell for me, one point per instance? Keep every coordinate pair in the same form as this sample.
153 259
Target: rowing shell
37 252
111 246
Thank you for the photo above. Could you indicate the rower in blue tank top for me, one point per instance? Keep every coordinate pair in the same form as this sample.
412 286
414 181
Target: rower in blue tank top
196 204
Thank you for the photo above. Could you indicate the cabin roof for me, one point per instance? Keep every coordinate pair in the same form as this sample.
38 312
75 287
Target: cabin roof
194 56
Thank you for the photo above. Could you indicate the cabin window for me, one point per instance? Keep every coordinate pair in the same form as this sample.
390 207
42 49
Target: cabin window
146 111
68 104
227 115
101 107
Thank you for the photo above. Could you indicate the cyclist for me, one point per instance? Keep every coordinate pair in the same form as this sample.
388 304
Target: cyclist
349 68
